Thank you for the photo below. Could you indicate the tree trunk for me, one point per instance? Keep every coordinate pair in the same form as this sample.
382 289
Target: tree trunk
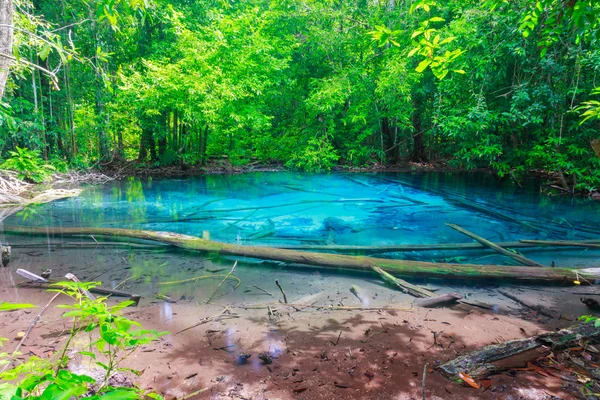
406 268
175 129
418 154
389 140
146 144
6 39
203 142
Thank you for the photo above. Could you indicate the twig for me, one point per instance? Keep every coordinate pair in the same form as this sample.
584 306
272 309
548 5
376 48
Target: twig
337 341
51 74
202 277
86 292
370 336
423 383
262 290
189 396
123 282
270 311
282 292
204 320
220 284
35 320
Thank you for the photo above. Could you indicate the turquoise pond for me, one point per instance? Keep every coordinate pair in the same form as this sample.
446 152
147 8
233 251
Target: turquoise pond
284 208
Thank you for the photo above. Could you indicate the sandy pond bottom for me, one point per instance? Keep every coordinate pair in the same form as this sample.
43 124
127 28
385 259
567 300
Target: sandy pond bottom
380 354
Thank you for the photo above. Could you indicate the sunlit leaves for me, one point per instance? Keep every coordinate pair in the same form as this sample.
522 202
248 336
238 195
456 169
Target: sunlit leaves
428 42
4 306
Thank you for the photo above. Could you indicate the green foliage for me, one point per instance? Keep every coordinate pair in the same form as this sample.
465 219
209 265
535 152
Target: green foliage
590 318
506 85
318 155
29 165
117 338
4 306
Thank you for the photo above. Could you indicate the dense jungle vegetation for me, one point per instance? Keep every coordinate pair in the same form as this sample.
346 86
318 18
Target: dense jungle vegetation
510 85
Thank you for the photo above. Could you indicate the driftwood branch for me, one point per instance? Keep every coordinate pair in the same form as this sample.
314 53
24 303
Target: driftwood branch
439 300
520 259
404 286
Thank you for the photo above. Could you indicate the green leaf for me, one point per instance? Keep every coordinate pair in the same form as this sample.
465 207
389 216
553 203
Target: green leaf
413 51
43 54
88 353
4 306
423 65
120 394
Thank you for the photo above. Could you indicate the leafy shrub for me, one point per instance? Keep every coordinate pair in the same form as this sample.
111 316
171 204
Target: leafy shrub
38 378
169 157
318 155
29 165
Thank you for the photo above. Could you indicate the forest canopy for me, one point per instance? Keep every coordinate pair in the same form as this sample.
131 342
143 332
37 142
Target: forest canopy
507 85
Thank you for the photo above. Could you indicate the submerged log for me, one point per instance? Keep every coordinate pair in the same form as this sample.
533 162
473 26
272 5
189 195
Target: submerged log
407 268
559 243
440 246
495 247
496 358
527 304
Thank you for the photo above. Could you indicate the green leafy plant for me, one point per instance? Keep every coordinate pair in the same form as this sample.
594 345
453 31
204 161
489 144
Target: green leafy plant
590 318
29 165
116 338
318 155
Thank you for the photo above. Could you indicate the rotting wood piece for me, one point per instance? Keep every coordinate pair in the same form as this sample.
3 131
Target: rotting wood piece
495 247
407 268
448 298
496 358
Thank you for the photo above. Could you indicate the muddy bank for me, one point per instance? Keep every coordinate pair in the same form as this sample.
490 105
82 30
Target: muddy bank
315 352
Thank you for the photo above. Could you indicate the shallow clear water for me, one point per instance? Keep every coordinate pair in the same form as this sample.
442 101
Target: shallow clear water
283 208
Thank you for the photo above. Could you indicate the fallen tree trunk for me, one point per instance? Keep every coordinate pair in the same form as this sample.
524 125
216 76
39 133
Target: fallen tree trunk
400 267
442 246
520 259
499 357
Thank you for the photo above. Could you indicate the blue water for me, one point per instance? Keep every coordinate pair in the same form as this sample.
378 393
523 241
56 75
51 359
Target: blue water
284 208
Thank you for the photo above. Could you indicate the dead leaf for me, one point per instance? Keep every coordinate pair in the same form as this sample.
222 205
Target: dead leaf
485 384
468 380
341 385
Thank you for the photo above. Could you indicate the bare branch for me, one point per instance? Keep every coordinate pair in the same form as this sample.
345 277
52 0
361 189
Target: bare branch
51 74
